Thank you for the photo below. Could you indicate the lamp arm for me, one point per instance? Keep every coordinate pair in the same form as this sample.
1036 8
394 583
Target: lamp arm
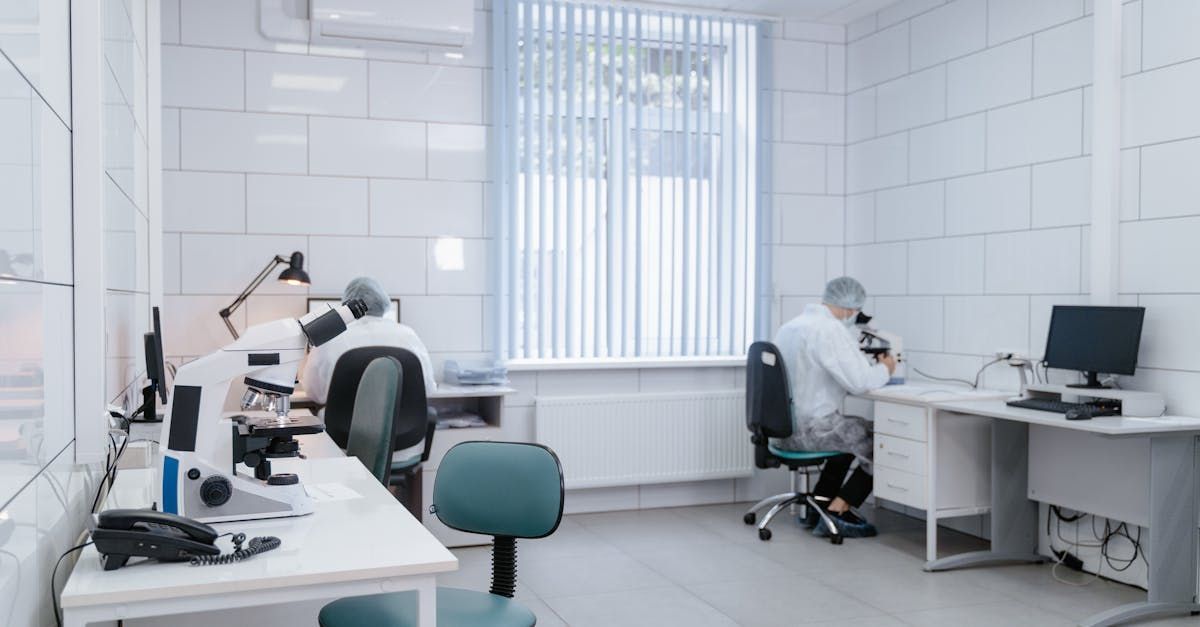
241 298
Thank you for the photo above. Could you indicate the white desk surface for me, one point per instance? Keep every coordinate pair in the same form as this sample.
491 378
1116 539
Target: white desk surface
1103 425
446 390
368 537
924 394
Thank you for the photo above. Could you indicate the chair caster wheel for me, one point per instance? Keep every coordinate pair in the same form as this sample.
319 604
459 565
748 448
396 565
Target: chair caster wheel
749 518
838 539
764 534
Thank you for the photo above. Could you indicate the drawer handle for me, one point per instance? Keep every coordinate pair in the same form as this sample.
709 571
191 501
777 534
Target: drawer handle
897 487
898 421
895 454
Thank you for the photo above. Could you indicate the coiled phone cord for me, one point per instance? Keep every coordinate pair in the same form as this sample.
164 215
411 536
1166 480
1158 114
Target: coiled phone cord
260 544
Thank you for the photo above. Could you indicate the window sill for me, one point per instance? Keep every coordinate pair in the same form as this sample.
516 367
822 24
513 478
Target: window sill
624 363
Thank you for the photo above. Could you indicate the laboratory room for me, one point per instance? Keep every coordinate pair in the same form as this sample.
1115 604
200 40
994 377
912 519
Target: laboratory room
599 313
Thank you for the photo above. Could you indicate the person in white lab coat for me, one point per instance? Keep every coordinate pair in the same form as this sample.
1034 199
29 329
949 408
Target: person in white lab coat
821 352
370 330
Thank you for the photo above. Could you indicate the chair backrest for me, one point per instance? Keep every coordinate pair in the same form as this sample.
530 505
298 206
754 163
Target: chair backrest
510 489
411 414
768 400
370 438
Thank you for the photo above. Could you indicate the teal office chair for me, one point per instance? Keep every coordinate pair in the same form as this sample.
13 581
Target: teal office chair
769 415
508 490
370 437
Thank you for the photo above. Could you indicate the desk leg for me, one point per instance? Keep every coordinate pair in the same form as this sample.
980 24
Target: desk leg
931 497
1014 516
427 603
1173 522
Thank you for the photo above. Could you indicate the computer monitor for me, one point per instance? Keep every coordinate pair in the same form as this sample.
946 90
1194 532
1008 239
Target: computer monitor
156 371
1094 340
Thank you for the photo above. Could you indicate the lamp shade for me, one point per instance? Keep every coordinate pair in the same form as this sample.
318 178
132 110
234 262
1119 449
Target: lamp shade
294 274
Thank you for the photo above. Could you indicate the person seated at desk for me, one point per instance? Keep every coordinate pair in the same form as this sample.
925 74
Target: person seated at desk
371 330
820 349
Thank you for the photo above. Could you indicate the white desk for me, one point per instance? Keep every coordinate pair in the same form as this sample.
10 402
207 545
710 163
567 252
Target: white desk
938 466
1173 500
347 547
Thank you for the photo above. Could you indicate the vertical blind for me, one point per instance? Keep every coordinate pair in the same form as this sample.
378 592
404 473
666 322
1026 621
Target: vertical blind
628 164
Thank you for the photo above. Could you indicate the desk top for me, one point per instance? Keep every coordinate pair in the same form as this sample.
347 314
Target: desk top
925 394
364 533
1103 425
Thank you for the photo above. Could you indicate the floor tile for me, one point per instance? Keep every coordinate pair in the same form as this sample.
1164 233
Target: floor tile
573 576
652 607
712 563
782 602
907 589
988 615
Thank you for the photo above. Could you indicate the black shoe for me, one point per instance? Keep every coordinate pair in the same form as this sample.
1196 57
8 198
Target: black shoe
811 517
849 525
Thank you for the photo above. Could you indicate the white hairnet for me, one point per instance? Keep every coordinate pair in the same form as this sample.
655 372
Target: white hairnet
370 292
845 292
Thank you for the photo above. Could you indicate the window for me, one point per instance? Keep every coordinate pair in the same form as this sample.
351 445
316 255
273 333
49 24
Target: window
628 163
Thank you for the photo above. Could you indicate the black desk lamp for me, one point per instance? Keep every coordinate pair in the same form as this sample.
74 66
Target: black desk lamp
294 274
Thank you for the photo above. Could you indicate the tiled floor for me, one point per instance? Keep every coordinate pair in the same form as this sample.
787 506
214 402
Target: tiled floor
701 566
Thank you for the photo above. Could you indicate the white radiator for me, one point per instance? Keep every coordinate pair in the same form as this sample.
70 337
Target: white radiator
647 438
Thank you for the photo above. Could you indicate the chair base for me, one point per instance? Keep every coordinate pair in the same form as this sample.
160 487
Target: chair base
777 504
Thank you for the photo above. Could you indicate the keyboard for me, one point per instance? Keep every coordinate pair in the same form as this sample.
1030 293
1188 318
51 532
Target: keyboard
1045 404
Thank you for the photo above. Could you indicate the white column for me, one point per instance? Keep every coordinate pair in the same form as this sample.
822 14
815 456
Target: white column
1106 152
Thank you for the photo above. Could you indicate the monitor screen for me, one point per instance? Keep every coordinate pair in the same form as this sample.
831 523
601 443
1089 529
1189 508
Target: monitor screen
155 366
323 304
1094 339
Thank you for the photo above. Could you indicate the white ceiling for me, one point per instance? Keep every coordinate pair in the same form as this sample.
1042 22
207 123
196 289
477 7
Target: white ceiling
830 11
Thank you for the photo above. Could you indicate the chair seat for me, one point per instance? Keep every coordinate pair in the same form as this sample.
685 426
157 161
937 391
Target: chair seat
814 457
455 608
405 464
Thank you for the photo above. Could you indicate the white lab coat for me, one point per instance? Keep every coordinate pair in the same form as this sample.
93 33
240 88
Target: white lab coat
366 331
825 364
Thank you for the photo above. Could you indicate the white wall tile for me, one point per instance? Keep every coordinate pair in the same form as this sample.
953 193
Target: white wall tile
835 169
942 365
835 262
1016 18
798 270
1153 252
449 323
202 78
1062 57
1169 339
799 66
984 203
1131 186
191 326
798 168
458 152
947 149
171 262
1169 185
456 266
169 29
912 212
946 266
981 325
860 27
397 262
803 30
290 83
1131 37
860 218
813 118
996 76
810 219
947 32
1160 105
860 115
1039 130
375 148
903 10
227 24
876 163
243 142
913 100
432 93
881 268
304 205
426 208
1062 193
170 139
918 319
836 64
1033 262
204 202
1169 32
878 57
224 264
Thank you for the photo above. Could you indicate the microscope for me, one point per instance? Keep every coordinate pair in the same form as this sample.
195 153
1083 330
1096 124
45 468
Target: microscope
200 478
875 342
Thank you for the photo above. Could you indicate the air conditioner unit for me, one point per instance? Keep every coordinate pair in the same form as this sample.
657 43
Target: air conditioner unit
424 24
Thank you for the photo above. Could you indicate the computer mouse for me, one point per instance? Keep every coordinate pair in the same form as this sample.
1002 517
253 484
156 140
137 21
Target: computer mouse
1080 413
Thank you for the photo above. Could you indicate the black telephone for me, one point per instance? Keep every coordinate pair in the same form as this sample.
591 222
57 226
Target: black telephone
123 533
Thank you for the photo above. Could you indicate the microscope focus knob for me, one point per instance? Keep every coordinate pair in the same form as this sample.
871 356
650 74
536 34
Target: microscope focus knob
216 491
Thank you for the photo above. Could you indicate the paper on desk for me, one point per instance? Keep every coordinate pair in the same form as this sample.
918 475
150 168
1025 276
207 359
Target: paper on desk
331 492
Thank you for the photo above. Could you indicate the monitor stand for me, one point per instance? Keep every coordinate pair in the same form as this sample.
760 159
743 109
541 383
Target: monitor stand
1092 382
149 409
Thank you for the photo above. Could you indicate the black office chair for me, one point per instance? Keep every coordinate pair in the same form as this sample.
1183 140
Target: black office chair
411 419
769 415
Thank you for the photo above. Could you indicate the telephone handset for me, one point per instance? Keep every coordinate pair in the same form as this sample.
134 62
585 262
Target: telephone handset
123 533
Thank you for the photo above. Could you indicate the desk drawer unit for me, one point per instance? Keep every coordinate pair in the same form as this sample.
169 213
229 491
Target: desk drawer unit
900 487
901 454
904 421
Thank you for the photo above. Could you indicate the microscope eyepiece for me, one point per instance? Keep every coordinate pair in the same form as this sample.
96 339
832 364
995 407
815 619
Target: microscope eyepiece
356 307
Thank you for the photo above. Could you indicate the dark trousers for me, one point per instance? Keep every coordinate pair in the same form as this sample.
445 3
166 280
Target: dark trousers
833 482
